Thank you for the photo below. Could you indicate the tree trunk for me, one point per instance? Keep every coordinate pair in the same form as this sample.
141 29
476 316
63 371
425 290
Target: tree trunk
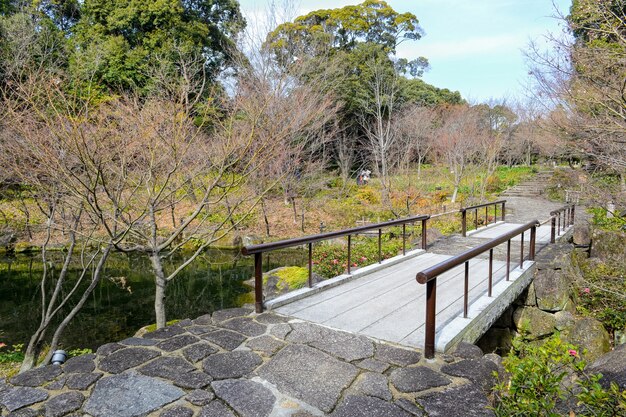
454 194
32 351
159 296
267 223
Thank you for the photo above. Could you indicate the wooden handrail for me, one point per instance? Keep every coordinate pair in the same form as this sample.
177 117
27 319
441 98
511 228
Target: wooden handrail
568 212
429 275
464 211
258 250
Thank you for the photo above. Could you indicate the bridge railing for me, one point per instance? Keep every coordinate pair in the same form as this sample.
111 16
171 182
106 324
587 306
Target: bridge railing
475 208
429 275
561 218
260 249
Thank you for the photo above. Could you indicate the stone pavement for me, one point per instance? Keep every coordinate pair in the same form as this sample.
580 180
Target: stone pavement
238 363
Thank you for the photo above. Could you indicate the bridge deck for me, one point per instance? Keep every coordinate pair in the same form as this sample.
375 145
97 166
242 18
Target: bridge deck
389 304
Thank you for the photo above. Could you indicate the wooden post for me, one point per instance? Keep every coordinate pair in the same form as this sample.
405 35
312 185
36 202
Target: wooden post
531 250
424 240
466 292
464 223
553 231
349 253
490 272
258 282
429 327
310 280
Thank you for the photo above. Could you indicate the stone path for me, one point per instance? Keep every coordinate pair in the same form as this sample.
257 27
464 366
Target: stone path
238 363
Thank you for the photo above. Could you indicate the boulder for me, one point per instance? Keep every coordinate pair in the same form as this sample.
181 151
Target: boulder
527 297
554 256
564 321
609 245
582 234
612 366
589 334
241 241
536 322
551 290
496 340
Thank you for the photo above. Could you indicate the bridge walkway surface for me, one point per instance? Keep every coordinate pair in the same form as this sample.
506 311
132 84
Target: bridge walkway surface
388 304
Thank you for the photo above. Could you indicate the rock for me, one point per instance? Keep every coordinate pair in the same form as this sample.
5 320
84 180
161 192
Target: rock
203 320
106 350
281 331
127 358
199 351
309 375
538 323
479 371
265 344
373 385
82 381
496 360
14 398
177 370
165 333
25 412
464 401
229 313
200 397
612 366
177 342
216 409
130 395
231 364
359 406
343 345
245 240
63 404
496 340
80 364
417 379
271 318
410 406
138 341
395 355
609 246
225 339
589 334
582 234
248 398
505 321
177 411
373 365
7 239
245 325
200 330
527 297
564 320
37 376
554 256
468 351
551 289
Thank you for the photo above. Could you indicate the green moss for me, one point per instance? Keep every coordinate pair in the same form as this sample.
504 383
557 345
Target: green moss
292 277
152 327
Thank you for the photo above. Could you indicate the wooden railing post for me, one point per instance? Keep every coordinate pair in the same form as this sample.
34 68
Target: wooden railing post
424 236
521 254
429 327
403 239
466 292
310 280
258 282
464 222
573 211
508 259
503 210
349 254
553 231
380 253
490 272
531 250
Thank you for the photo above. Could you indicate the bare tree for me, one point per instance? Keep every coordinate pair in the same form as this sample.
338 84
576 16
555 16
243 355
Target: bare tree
377 122
456 143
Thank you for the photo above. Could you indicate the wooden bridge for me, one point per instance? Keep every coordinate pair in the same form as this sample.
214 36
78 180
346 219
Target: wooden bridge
419 298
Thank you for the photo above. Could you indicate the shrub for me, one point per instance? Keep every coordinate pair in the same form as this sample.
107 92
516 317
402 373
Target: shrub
545 379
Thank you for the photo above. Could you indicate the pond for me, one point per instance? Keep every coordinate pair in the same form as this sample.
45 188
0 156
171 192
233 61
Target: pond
124 301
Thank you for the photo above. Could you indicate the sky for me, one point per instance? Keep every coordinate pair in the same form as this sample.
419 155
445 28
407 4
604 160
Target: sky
473 46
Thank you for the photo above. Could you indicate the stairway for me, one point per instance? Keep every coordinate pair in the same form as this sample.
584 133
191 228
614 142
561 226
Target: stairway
531 188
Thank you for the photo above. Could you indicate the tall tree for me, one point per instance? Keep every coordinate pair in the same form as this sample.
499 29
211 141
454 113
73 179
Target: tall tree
118 41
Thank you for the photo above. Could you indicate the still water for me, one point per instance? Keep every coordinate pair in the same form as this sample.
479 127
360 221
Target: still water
124 300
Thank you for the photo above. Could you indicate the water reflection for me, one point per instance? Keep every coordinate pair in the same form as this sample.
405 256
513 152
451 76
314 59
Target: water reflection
124 301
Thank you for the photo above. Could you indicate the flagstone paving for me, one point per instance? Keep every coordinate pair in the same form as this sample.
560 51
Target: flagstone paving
238 363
